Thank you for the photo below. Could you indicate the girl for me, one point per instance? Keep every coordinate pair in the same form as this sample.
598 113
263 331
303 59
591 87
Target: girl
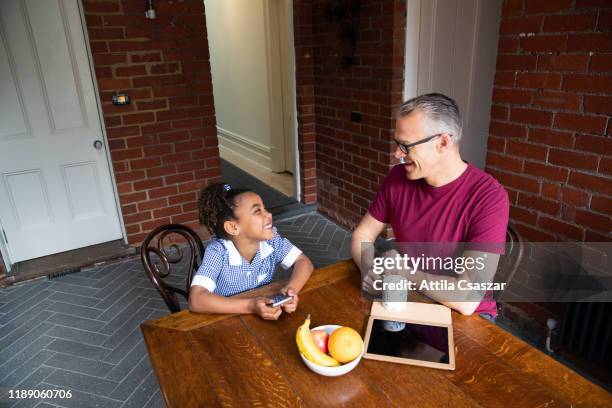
243 255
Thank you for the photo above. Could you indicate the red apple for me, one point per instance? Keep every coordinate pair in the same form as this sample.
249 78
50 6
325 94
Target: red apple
320 338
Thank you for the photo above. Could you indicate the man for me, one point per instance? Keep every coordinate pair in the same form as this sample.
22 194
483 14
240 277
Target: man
433 196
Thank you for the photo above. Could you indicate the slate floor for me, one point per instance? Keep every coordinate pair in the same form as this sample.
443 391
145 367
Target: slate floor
80 332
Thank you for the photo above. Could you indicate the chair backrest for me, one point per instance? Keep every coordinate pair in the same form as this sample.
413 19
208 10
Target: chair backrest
158 244
509 262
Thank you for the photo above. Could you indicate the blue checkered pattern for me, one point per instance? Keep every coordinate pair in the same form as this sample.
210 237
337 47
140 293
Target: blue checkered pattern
225 272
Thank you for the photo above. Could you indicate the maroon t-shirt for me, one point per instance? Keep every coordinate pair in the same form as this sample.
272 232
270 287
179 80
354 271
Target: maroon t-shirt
473 208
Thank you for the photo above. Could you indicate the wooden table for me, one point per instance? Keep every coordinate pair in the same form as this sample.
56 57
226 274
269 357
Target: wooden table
229 360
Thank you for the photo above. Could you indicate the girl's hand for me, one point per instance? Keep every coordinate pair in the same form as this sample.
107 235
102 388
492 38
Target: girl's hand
262 307
291 305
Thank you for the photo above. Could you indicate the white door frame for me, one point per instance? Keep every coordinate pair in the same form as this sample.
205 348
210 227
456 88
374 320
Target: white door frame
4 250
109 161
278 20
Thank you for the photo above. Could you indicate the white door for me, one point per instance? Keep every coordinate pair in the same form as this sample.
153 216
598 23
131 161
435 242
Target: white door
451 48
55 187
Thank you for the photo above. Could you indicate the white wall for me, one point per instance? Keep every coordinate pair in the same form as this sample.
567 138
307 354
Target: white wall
237 43
451 47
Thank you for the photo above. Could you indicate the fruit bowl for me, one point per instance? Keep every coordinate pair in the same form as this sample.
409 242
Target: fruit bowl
332 371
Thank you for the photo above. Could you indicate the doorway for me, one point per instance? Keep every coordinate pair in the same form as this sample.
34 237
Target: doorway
451 48
253 74
56 190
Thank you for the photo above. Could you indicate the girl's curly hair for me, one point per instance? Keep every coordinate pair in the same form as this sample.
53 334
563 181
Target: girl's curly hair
216 205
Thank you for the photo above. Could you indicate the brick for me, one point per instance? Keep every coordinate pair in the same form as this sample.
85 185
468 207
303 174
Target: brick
179 178
532 116
557 100
109 59
548 6
516 62
132 70
134 118
182 198
601 63
533 235
550 190
572 160
114 84
591 182
129 176
123 46
191 186
595 144
571 63
499 112
153 204
504 78
145 163
583 123
572 22
588 83
520 25
507 45
514 96
527 150
561 228
544 43
120 155
580 4
92 7
548 172
105 33
574 197
605 166
132 198
594 221
518 182
149 225
602 204
539 204
589 42
168 211
146 57
538 80
598 104
494 144
162 192
504 162
512 7
551 137
148 184
605 20
152 105
523 215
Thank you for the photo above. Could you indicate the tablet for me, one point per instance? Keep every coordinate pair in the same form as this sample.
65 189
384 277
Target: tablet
422 334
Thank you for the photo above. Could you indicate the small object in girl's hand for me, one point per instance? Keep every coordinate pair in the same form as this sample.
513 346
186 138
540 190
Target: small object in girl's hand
279 299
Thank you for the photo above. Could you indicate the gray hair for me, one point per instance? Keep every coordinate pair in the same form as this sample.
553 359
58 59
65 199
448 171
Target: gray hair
442 112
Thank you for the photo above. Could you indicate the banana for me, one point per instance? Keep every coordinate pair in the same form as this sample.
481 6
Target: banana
309 349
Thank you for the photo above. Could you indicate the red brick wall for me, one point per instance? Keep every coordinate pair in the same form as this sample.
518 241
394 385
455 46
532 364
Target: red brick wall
164 144
351 158
305 102
550 138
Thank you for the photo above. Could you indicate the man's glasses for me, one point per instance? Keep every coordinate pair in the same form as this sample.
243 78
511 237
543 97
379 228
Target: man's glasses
405 148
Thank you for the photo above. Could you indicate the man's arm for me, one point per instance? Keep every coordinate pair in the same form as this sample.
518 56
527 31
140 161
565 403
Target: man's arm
363 238
465 302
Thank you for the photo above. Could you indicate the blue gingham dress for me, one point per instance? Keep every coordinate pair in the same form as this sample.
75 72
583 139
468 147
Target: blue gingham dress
225 272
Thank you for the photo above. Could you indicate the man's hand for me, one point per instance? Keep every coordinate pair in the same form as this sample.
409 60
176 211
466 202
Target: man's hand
262 307
291 305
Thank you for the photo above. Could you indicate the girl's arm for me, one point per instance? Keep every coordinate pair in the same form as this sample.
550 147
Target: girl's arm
201 300
302 269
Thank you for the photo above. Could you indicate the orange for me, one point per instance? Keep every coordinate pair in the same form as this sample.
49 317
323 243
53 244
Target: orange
344 344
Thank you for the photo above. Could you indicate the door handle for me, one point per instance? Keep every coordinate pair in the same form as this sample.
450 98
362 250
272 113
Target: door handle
98 144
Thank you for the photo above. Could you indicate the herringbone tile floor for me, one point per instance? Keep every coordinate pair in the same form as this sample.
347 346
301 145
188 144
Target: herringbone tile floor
80 332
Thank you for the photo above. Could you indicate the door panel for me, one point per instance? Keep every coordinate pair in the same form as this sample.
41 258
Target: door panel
56 192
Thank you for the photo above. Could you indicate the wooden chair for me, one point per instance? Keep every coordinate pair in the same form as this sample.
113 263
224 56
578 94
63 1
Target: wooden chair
510 261
158 244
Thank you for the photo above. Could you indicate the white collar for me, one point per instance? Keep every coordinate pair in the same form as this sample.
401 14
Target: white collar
235 259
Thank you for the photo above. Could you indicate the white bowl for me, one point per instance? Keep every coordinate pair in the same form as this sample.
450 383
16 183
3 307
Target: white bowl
332 371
